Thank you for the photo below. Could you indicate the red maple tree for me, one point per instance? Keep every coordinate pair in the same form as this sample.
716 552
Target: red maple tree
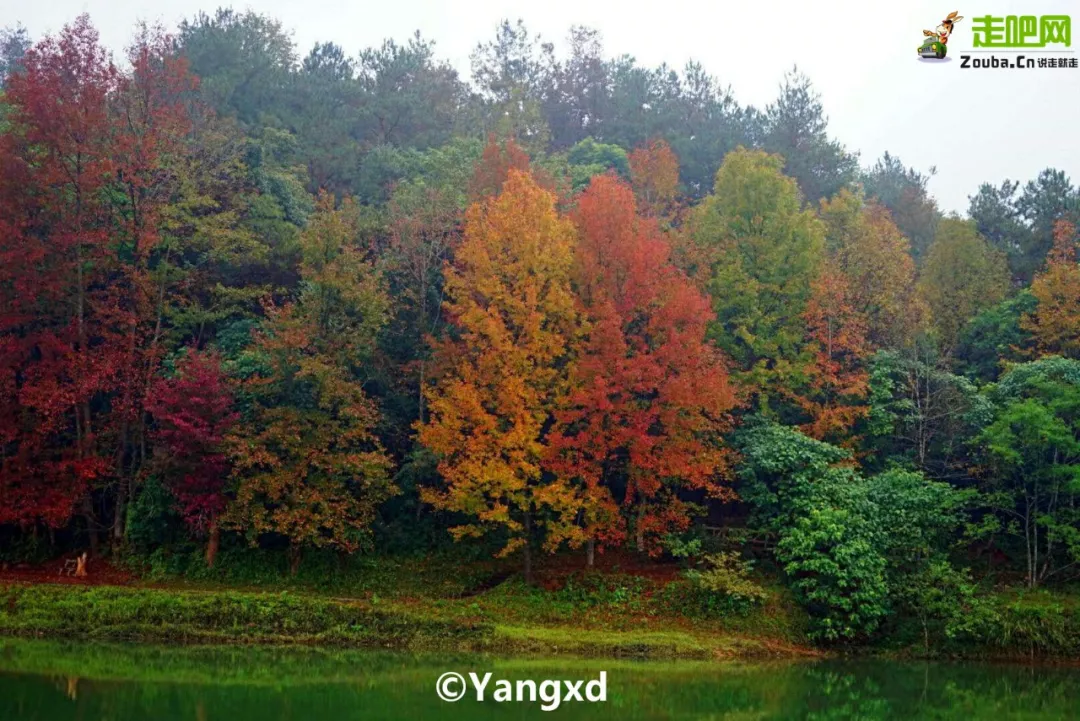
651 396
84 172
55 162
193 412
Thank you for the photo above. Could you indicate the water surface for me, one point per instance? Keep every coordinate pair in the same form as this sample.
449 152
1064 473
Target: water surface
47 681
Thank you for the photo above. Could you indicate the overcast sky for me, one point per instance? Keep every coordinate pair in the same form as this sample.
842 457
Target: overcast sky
973 125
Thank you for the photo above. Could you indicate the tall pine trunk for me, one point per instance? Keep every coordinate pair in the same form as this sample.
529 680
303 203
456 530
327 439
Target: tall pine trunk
528 548
213 543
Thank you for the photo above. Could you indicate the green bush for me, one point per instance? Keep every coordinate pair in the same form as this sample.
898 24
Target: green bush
727 575
837 573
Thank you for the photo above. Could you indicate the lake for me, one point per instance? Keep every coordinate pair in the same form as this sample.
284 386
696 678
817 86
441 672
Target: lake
52 681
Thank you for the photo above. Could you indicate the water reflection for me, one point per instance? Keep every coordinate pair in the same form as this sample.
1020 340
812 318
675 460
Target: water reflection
48 681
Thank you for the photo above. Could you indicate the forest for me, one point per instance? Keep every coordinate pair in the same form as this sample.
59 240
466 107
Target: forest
261 303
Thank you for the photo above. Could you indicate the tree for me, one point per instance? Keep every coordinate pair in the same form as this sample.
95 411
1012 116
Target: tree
410 98
833 556
805 494
423 226
651 397
506 370
324 99
836 379
1031 453
916 520
796 129
995 338
117 218
307 464
193 412
516 64
515 75
90 163
903 191
654 172
243 59
760 254
1054 324
1042 203
998 220
494 167
1022 226
875 258
14 42
589 158
57 345
579 106
152 107
962 276
850 545
921 414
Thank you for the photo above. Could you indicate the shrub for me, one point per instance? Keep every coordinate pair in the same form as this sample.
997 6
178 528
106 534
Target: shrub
727 575
837 573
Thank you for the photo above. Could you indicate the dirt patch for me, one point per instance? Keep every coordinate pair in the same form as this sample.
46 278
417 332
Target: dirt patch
555 570
99 572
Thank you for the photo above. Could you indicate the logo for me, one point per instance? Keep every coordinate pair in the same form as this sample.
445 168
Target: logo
1048 39
1024 31
551 693
936 43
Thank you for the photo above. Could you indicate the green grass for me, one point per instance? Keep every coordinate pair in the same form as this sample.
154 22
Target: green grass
451 603
117 613
415 603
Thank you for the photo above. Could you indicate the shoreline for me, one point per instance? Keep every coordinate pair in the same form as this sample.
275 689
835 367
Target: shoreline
193 618
238 618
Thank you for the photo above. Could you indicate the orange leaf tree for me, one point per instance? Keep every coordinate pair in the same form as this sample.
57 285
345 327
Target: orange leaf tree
837 381
651 397
496 161
1055 323
307 462
654 172
505 370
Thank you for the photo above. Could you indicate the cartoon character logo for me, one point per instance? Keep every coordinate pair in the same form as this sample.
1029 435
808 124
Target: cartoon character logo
936 42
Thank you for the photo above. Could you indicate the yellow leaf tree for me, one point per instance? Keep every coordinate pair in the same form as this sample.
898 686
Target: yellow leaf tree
961 276
505 369
874 256
1055 323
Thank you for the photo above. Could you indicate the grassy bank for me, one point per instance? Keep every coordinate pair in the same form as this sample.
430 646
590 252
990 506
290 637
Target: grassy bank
225 617
451 604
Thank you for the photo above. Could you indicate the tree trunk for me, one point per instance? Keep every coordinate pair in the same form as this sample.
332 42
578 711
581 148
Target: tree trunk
122 488
528 548
91 525
590 553
295 554
213 544
420 395
639 530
